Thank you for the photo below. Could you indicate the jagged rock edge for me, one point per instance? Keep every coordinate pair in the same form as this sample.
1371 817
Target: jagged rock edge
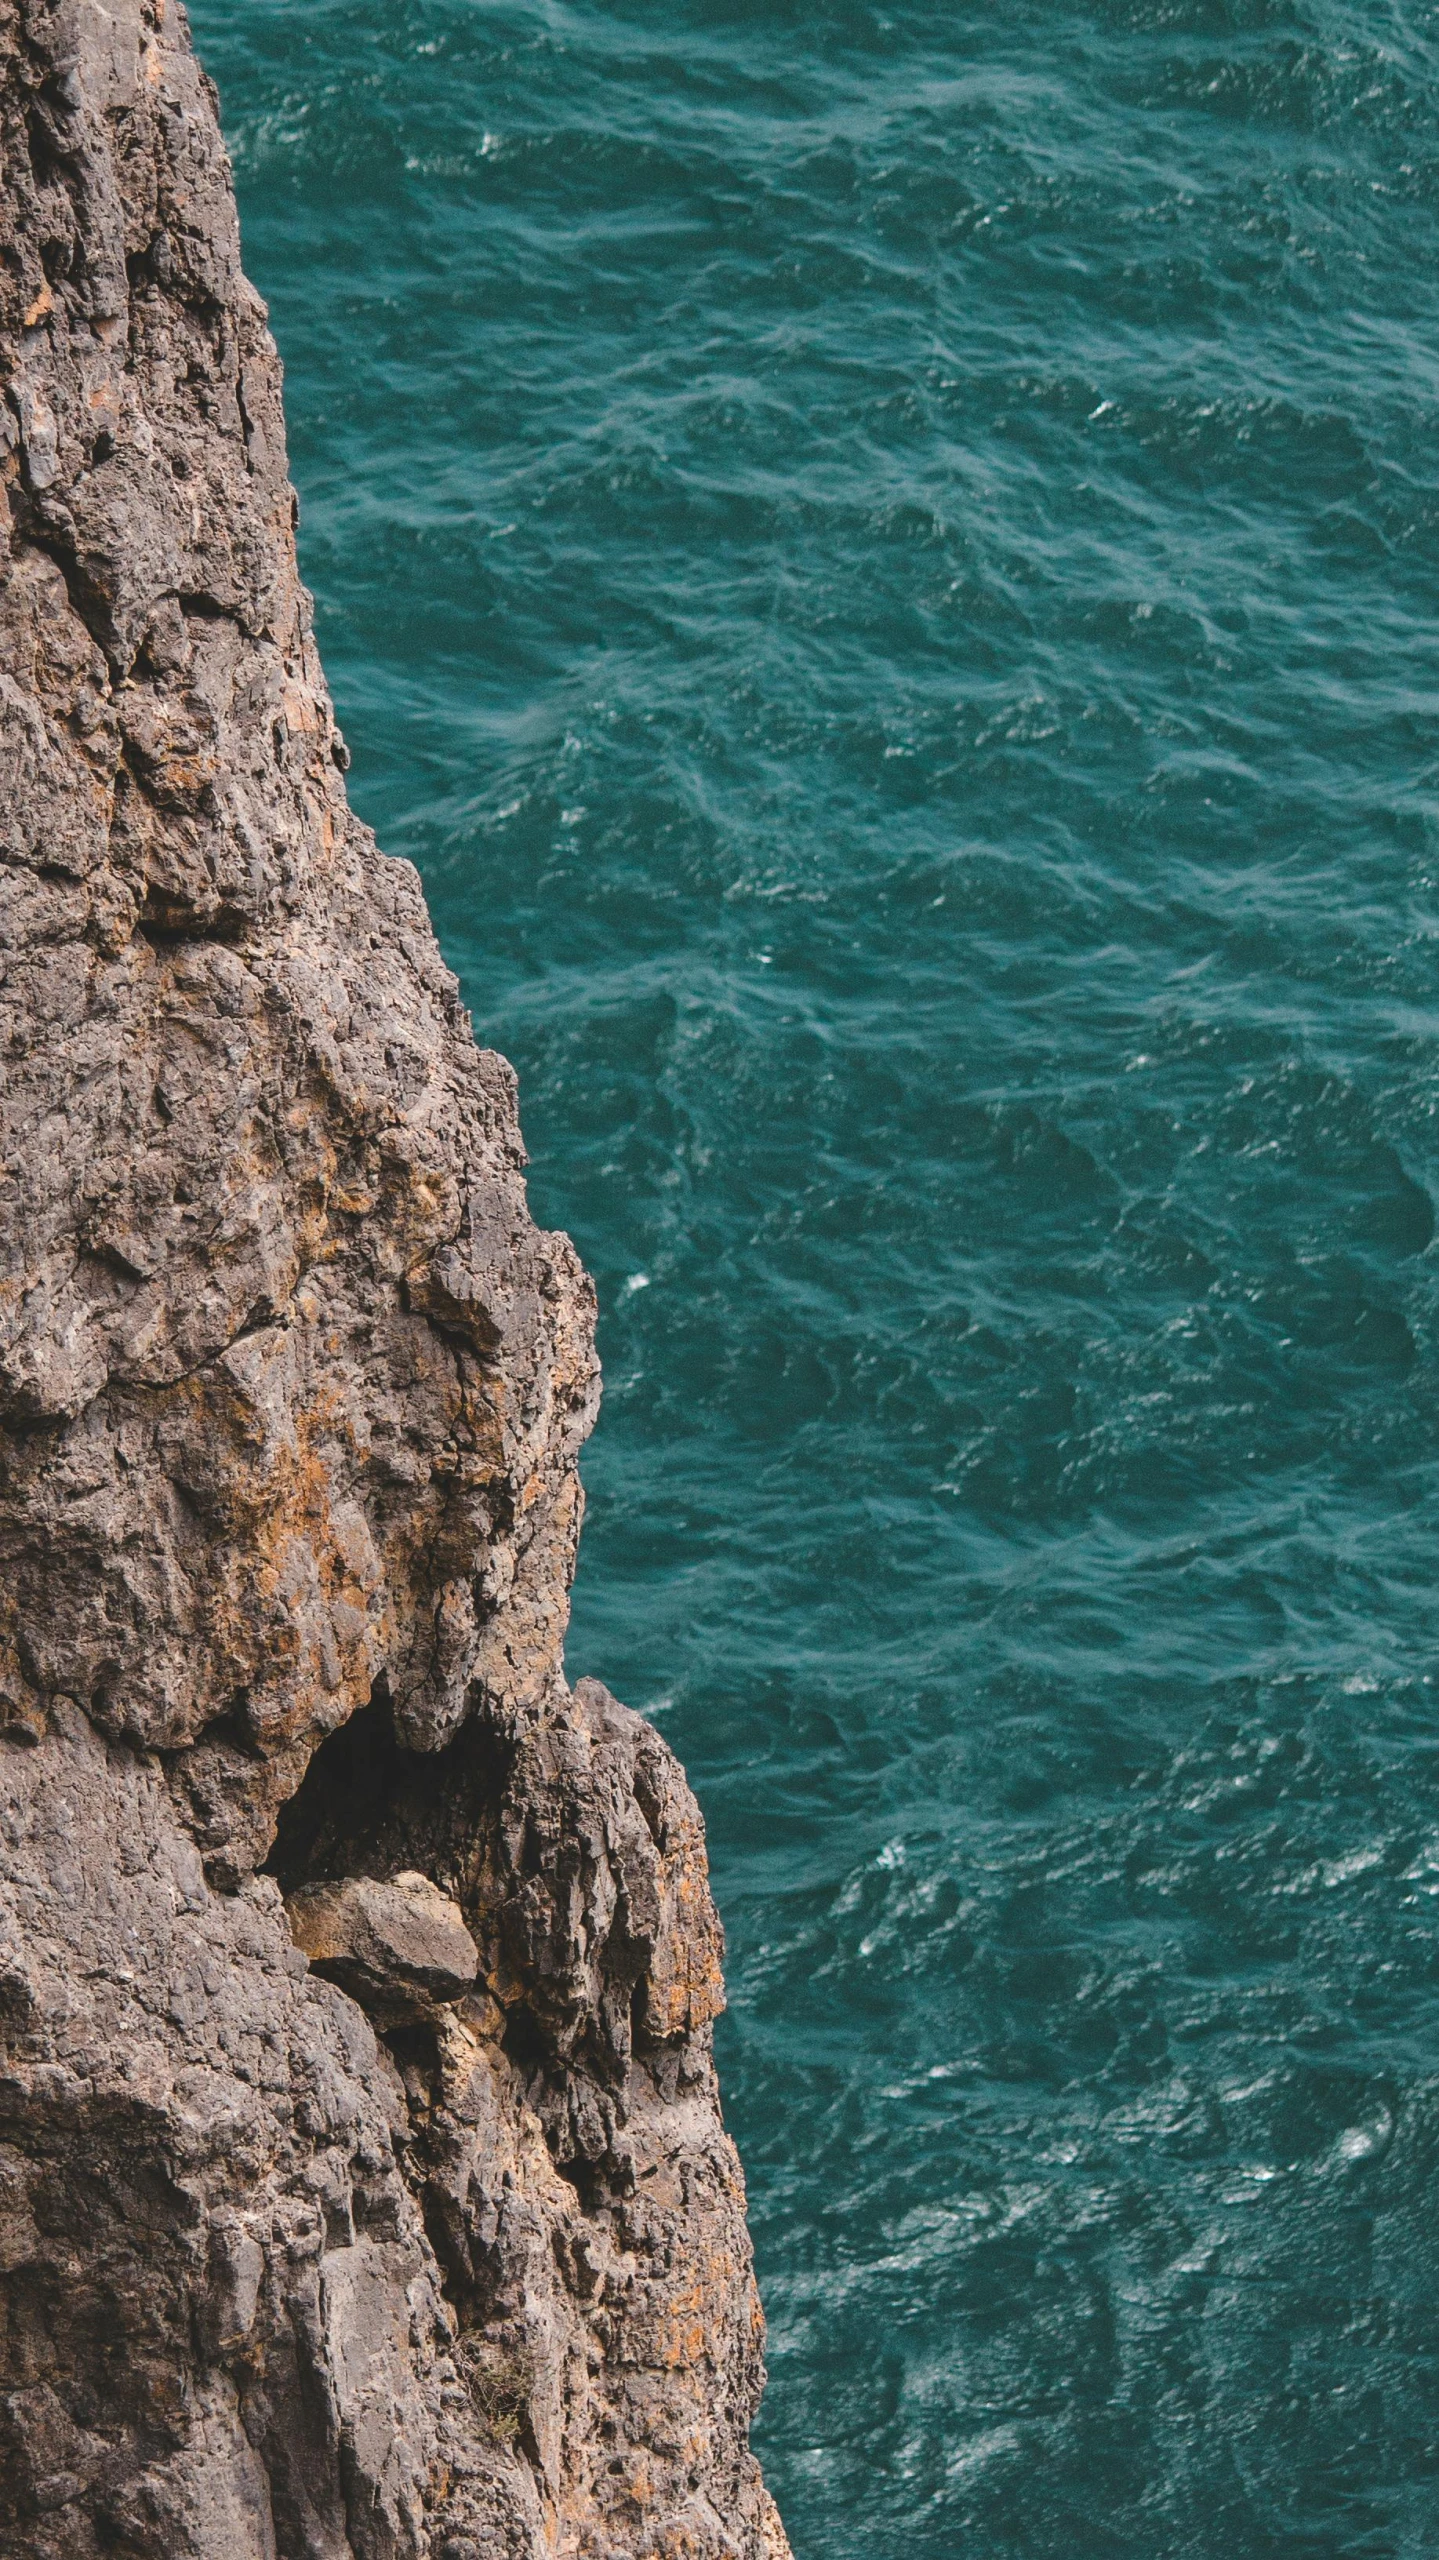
228 2329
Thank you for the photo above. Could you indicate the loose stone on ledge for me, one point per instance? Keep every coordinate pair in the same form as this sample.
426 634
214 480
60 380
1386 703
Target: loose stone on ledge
399 1947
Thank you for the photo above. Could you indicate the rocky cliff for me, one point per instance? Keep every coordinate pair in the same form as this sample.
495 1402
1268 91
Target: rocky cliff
363 2188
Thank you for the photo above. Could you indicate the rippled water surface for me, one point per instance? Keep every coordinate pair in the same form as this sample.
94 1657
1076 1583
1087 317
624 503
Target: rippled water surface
883 563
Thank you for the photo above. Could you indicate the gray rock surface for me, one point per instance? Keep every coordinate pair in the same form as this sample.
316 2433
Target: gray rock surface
291 1398
398 1945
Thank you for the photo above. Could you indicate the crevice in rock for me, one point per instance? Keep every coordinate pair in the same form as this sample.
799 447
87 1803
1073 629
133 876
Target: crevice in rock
166 933
88 600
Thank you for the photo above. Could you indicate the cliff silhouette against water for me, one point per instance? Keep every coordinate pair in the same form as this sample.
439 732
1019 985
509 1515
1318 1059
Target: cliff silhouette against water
363 2187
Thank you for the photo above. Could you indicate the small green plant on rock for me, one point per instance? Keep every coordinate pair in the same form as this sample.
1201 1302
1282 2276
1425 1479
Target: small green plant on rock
500 2381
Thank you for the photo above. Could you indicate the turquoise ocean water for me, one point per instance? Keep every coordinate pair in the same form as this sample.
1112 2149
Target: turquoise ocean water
883 561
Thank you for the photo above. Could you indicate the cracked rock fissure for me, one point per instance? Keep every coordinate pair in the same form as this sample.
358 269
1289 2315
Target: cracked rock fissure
363 2188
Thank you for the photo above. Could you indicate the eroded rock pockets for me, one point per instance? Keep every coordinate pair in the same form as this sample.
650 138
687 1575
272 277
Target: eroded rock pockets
373 2253
451 2259
292 1387
527 1922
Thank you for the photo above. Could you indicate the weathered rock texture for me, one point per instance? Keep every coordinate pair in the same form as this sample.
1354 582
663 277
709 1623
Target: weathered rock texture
444 2253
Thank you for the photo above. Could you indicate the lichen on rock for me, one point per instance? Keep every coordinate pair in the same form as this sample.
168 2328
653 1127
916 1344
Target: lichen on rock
419 2258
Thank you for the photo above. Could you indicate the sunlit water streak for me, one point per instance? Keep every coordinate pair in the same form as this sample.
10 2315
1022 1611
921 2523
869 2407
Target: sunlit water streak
884 563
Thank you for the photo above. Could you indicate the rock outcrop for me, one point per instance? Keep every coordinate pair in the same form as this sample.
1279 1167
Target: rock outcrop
363 2188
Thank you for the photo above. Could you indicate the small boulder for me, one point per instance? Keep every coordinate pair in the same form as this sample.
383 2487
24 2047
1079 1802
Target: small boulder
399 1947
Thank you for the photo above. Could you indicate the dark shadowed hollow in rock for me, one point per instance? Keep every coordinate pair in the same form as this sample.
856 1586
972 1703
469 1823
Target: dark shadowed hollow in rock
363 2189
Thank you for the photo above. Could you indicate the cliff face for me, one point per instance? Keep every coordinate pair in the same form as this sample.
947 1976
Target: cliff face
362 2181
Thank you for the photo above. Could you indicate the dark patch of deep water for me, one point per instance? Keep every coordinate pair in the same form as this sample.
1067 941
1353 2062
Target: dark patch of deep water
884 562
